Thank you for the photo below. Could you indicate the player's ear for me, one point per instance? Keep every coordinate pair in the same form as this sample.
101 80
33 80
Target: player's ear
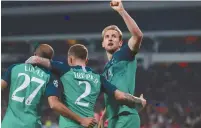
70 60
86 62
121 43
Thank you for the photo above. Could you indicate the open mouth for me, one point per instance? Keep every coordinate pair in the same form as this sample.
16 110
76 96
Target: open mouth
110 44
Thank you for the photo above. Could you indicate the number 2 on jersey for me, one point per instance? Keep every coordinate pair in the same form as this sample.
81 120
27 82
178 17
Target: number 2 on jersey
85 94
24 85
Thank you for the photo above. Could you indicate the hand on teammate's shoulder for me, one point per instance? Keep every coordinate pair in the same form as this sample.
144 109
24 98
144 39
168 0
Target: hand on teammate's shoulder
32 60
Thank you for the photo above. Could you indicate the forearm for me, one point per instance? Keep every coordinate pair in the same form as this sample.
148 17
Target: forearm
126 99
44 62
131 24
130 100
64 111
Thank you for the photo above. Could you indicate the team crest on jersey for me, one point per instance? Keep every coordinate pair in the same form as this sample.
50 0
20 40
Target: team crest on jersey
109 74
113 61
55 82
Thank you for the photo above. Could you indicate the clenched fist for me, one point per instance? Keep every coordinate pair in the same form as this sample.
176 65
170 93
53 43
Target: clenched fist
117 5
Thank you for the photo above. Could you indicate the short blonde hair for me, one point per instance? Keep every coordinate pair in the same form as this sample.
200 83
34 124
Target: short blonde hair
112 27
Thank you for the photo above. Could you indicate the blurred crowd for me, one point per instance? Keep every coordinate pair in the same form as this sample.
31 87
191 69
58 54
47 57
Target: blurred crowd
172 91
173 94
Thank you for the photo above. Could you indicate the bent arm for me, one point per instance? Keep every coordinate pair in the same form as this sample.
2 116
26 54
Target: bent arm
56 105
123 98
126 99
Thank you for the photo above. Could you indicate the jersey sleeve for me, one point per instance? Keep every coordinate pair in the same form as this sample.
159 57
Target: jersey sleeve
106 86
7 75
59 68
125 54
52 88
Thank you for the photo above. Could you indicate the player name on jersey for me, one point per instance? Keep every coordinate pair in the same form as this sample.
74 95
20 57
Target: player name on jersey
81 75
36 71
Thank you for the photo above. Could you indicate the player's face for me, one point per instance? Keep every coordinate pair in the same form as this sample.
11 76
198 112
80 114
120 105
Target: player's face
111 41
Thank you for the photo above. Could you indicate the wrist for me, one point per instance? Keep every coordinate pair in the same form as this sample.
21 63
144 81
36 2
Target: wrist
138 100
38 59
121 11
79 120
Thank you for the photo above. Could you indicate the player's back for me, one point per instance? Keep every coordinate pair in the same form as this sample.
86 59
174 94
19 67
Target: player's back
81 89
27 87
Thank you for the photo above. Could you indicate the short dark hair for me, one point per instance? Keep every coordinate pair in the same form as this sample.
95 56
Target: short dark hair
45 51
79 51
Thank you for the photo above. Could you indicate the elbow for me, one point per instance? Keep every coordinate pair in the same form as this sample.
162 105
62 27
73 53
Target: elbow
120 96
53 102
139 36
139 33
52 105
55 106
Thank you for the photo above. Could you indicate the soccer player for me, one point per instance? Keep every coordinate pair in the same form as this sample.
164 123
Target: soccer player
82 85
28 85
121 68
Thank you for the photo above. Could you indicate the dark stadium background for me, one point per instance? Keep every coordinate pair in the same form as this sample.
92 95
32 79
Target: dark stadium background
169 62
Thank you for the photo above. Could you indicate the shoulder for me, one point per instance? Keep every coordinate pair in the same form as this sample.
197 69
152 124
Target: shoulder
14 65
93 71
60 65
124 54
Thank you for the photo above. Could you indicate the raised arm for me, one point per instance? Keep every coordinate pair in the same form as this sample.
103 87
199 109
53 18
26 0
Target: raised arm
135 41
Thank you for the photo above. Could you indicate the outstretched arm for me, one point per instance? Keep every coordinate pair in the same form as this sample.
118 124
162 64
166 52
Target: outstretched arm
123 98
128 99
135 41
56 67
39 60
